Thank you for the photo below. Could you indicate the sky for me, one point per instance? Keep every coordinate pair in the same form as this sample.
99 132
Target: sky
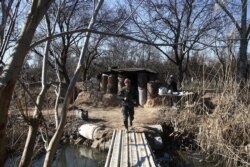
23 11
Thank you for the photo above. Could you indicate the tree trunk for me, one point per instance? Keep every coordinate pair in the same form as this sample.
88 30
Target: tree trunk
35 121
57 103
84 76
65 74
241 74
5 98
14 65
242 62
30 143
56 137
180 74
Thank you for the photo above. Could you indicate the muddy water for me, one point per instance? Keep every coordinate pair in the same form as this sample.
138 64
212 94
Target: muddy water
78 156
184 159
70 156
73 156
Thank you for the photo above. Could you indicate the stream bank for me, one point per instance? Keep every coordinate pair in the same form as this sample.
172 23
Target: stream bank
179 135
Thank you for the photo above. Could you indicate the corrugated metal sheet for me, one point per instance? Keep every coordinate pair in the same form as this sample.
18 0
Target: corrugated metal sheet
124 70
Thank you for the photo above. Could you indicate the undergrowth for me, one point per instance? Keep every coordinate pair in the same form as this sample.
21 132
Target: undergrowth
219 123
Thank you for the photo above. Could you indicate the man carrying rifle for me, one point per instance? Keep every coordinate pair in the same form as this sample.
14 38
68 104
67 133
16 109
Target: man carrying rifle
128 101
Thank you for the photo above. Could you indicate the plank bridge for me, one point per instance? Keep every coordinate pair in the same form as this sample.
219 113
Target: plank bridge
129 150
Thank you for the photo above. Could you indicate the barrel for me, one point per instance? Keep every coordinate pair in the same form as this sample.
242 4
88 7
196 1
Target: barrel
142 79
152 88
120 83
142 96
104 82
112 84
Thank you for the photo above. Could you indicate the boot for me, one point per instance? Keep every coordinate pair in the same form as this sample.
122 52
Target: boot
131 122
126 124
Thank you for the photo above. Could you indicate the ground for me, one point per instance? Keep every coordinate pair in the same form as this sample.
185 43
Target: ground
212 120
112 116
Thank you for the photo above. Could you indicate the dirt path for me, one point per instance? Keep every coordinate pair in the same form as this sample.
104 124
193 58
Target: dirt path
112 116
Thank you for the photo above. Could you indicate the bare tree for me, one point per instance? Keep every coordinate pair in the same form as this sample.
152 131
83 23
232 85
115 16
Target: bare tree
182 23
12 69
69 18
243 30
225 52
36 119
72 15
91 55
7 24
56 138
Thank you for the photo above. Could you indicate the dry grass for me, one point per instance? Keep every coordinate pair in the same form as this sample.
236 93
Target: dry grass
222 131
225 133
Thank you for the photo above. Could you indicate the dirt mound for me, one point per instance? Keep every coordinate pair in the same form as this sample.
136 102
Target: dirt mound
110 100
154 102
95 98
83 98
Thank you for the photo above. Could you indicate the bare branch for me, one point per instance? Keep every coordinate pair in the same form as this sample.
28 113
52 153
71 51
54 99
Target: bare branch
223 7
101 33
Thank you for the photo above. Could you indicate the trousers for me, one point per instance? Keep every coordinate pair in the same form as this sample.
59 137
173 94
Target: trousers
127 112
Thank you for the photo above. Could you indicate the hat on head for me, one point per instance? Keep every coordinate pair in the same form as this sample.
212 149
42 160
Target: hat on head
127 80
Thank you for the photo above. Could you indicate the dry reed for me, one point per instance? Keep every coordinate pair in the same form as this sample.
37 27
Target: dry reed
225 133
222 131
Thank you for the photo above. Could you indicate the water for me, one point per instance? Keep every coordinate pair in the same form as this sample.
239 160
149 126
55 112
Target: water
81 156
184 159
70 156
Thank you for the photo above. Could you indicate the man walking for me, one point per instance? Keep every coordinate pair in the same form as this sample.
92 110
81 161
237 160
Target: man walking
128 101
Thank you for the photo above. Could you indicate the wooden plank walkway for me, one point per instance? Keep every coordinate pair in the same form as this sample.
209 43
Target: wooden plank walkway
129 150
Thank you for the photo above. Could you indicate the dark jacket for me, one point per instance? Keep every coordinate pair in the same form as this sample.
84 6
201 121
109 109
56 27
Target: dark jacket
130 96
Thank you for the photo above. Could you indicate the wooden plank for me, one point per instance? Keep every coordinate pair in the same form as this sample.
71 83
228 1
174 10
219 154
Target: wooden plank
133 150
149 152
129 150
115 159
107 163
143 157
124 150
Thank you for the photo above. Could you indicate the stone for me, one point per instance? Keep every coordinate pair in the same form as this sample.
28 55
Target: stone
95 144
81 113
158 143
79 141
